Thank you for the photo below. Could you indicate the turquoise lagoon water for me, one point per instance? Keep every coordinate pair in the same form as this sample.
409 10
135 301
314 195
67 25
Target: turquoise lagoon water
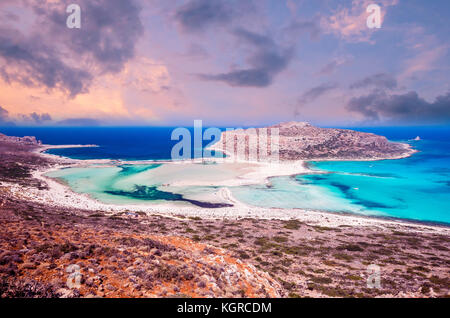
415 188
101 182
137 184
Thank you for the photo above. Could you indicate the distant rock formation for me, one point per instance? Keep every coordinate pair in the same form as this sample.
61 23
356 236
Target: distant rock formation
27 140
302 141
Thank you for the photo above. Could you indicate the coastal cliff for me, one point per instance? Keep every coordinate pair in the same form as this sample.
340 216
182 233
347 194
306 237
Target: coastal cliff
22 141
303 141
18 159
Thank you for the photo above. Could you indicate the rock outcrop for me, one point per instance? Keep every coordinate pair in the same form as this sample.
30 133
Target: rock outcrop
26 140
302 141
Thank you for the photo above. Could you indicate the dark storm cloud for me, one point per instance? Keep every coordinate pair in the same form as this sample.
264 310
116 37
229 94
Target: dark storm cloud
379 81
38 64
105 42
199 14
265 63
109 31
316 92
408 108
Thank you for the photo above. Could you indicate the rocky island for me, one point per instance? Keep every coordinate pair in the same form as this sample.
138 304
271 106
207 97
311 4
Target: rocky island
302 141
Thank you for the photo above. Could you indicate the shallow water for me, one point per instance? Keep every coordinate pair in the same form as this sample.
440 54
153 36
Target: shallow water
147 184
415 188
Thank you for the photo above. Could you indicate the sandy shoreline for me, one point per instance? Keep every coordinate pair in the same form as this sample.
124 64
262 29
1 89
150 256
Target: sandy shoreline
60 195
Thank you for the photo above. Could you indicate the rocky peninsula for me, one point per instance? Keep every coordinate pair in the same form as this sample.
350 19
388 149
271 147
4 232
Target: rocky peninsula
302 141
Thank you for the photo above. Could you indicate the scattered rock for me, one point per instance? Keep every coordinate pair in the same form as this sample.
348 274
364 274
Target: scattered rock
28 266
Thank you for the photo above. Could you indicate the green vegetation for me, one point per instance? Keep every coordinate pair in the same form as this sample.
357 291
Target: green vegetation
292 225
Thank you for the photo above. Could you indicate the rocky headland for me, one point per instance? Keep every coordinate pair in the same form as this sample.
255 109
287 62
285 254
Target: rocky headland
302 141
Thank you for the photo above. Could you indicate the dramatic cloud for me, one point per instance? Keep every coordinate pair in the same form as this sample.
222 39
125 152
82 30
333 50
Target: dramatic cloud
109 31
198 14
267 61
379 81
46 55
167 62
29 61
315 92
4 117
405 108
36 118
350 23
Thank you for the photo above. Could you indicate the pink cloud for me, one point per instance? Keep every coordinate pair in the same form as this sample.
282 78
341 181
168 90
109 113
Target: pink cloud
350 24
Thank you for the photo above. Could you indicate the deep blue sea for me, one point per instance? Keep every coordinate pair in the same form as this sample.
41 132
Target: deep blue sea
416 188
125 143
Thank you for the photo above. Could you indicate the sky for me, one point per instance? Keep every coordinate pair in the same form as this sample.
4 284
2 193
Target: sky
226 62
